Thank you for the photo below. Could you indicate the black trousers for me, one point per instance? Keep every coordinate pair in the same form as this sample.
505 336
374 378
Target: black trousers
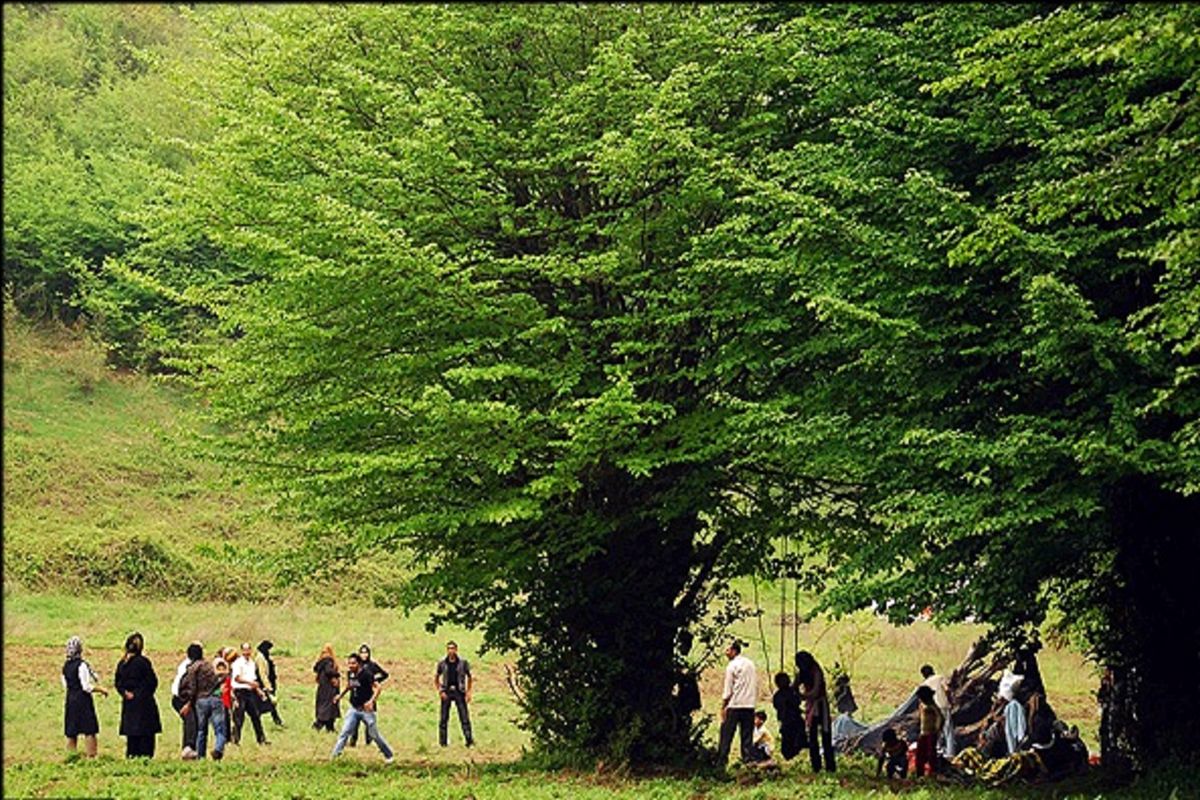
823 732
464 718
897 766
189 723
247 704
742 720
268 704
136 746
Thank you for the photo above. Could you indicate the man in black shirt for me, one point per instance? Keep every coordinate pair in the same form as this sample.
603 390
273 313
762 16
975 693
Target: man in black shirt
376 672
364 691
454 682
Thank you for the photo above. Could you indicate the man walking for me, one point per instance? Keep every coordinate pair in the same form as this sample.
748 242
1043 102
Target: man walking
247 691
364 691
371 671
454 682
737 704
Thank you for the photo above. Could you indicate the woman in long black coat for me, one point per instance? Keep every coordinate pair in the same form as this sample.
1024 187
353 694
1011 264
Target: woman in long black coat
79 718
328 684
136 682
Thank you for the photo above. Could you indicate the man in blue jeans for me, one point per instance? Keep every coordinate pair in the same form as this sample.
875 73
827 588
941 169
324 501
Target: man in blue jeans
364 691
200 691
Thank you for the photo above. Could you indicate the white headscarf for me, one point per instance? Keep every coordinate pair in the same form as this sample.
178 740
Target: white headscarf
1008 684
74 648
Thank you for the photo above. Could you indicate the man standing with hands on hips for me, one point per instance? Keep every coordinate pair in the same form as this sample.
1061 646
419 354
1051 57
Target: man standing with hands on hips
454 682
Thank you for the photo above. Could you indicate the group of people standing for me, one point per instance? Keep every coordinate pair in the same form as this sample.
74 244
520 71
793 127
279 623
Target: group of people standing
809 727
364 682
220 693
223 692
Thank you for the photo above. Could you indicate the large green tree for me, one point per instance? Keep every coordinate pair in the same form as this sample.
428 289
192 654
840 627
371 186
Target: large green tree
585 306
999 244
474 334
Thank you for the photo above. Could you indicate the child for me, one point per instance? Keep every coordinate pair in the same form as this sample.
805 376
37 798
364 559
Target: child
760 745
931 727
893 752
791 719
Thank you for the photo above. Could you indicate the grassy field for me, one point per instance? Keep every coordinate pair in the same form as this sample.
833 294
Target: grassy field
295 763
103 491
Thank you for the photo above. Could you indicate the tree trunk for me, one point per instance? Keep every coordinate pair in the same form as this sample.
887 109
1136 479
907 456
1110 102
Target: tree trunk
598 680
1150 706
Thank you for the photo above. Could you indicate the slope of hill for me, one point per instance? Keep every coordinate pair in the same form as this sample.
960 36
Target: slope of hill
102 491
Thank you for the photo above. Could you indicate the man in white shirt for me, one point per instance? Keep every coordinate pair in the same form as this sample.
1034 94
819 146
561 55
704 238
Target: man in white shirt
738 697
247 691
941 699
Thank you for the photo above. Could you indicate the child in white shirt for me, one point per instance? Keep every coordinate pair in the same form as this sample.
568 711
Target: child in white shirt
760 745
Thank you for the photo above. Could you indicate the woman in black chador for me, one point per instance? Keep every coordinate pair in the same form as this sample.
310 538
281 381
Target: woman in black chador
136 682
328 684
80 715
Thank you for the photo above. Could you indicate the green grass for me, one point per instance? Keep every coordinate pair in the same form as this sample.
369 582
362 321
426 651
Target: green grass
102 488
295 764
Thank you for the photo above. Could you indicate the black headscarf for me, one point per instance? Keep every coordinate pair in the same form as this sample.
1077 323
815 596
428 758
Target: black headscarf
264 647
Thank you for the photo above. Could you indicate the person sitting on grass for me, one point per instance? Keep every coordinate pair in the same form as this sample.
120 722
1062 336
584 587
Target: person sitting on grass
894 753
1014 713
760 744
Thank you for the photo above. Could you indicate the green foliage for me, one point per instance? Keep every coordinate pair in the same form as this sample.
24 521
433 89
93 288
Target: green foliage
472 337
95 126
586 308
994 244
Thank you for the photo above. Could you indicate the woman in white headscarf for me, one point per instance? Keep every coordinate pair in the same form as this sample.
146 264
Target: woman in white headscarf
1014 712
81 683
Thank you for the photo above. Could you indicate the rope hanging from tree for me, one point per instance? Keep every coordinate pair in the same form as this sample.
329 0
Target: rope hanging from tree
783 574
783 610
762 634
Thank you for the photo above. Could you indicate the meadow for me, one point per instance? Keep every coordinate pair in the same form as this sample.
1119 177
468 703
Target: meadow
295 763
